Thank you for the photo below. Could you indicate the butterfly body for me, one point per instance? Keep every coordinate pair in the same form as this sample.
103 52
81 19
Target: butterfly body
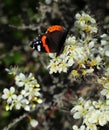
52 41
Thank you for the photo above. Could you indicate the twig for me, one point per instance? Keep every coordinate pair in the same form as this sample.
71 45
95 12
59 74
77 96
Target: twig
24 27
15 121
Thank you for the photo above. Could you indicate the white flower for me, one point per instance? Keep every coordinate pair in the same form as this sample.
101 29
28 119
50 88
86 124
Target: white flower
70 60
63 67
95 61
98 104
18 102
48 1
107 72
20 79
22 102
33 122
27 107
101 51
91 44
91 126
83 109
80 110
27 81
103 118
80 19
24 92
93 29
25 104
52 55
12 70
98 59
88 71
53 66
88 105
9 94
107 52
103 42
75 127
92 117
39 101
105 92
104 35
71 40
33 92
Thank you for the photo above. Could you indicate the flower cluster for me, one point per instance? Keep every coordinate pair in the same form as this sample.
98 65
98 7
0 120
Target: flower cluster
25 96
93 114
80 50
104 81
104 48
85 23
92 52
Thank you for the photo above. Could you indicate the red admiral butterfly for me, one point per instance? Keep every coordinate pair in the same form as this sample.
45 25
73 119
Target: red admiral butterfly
52 41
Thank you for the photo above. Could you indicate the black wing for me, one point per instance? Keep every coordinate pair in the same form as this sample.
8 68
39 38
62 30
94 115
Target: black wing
55 40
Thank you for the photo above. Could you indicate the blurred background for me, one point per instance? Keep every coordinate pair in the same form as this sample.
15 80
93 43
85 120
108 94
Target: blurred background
23 20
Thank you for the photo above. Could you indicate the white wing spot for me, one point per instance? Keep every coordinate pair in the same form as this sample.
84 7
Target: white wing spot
37 42
38 47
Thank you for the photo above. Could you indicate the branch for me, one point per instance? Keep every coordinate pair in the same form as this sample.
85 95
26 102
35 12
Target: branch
24 27
15 121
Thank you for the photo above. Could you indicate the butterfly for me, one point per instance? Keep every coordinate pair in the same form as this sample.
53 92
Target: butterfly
52 41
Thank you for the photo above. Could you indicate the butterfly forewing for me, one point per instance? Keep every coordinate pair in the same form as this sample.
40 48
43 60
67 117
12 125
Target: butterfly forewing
54 39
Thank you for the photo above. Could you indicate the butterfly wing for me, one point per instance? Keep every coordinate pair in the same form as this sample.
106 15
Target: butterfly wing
51 41
55 40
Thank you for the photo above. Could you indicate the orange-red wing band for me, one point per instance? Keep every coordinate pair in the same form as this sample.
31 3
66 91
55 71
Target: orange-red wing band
43 39
55 28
